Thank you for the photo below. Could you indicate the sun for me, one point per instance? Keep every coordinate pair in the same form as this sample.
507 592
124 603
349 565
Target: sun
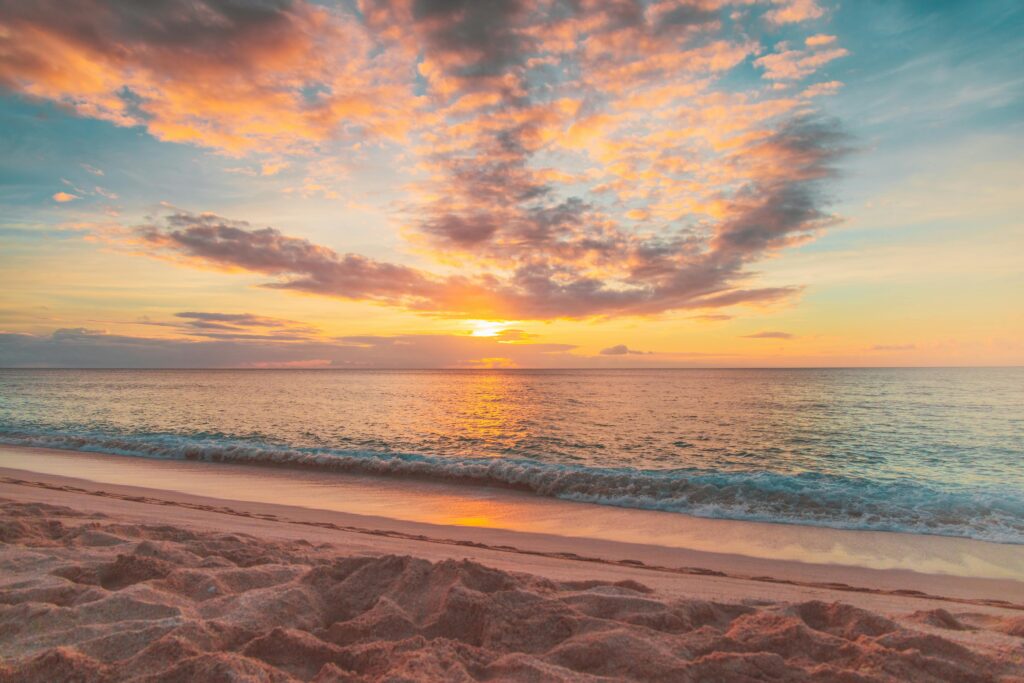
487 328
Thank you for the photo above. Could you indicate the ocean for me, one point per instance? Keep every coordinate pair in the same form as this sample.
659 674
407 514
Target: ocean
933 451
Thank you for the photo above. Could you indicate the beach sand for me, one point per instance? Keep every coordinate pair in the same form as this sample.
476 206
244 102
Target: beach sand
110 582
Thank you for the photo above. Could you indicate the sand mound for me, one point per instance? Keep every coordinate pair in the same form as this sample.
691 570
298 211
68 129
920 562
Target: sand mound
87 600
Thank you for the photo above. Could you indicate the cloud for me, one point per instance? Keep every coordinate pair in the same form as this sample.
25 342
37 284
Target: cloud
239 319
820 89
561 261
893 347
818 40
272 168
76 333
621 350
241 326
770 335
795 64
293 364
93 348
214 325
565 159
229 75
302 265
64 197
794 11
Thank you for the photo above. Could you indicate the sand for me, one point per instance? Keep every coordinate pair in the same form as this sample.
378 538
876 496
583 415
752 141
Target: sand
102 583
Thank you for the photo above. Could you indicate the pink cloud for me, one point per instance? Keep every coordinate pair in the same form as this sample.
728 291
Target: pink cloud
822 89
568 159
214 73
770 335
819 40
790 65
794 11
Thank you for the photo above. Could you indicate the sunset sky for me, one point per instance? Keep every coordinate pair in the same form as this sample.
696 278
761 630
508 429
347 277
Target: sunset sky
521 183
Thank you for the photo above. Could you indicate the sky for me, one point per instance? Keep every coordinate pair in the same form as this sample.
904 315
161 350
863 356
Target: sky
511 183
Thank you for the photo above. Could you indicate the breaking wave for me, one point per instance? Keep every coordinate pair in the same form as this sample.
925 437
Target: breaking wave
816 499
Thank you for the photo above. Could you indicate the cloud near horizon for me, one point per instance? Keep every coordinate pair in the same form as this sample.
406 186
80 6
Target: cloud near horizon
893 347
87 348
622 350
770 335
240 326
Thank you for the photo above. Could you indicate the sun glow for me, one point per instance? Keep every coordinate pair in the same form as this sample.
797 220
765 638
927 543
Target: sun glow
488 328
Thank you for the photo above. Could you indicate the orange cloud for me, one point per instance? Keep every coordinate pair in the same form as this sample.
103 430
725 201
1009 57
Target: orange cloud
789 65
213 73
794 11
64 197
819 40
820 89
570 159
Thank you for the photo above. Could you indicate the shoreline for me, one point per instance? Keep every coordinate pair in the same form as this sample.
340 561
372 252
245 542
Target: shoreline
467 513
443 538
754 497
149 504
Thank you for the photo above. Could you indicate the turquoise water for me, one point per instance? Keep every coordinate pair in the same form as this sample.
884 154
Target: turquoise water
936 451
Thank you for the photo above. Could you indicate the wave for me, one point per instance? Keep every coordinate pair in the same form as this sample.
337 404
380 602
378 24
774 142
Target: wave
817 499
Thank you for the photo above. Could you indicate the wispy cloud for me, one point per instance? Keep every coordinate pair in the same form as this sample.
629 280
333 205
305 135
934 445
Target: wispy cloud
791 64
770 335
893 347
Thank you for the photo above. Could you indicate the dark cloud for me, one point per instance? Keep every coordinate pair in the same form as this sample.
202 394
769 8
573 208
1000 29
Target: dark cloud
543 286
243 319
479 34
557 251
770 335
174 33
778 207
302 265
621 350
463 231
221 325
683 15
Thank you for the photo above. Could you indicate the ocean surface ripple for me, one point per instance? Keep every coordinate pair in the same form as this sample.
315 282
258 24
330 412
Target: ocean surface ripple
935 452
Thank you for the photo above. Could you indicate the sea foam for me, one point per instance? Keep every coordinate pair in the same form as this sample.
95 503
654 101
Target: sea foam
817 499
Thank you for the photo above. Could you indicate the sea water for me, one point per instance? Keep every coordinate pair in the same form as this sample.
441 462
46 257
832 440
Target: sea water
935 451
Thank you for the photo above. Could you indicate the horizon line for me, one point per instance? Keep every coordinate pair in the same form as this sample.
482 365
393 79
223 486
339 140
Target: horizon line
532 369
